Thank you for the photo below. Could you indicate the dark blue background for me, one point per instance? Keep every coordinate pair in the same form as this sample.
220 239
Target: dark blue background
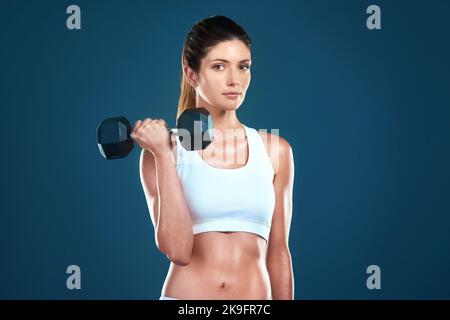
366 113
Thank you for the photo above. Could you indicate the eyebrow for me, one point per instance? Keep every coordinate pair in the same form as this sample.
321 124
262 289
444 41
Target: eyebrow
223 60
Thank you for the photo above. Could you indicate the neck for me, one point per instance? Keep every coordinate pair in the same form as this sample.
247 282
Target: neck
224 119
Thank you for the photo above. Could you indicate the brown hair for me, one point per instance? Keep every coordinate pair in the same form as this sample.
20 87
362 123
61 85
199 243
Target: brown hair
204 35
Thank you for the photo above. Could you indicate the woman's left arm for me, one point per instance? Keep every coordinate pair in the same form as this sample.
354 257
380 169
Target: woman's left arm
279 262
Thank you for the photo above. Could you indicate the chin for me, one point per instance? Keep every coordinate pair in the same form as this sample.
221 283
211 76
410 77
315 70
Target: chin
227 106
234 104
231 107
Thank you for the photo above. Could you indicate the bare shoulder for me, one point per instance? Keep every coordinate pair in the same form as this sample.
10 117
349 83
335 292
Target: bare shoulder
278 149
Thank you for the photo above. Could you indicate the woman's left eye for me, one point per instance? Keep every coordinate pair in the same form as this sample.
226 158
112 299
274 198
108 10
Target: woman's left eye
246 65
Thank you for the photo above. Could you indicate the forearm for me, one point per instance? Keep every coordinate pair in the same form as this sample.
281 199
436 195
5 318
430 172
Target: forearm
174 228
281 276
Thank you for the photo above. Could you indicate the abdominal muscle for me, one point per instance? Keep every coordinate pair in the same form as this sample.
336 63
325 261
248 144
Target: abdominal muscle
223 265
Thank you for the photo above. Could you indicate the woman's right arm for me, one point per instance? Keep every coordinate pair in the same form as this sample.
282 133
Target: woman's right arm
167 205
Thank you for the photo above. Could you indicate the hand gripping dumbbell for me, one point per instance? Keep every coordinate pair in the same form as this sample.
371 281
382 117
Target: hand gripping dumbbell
115 142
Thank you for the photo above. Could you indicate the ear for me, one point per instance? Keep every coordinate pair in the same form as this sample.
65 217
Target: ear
190 74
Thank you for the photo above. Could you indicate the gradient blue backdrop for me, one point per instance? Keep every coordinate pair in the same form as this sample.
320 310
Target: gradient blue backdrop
366 112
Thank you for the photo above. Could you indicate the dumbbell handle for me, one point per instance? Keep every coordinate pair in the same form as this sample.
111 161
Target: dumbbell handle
171 131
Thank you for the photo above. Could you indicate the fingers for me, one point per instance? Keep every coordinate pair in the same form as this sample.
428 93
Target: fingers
140 124
137 125
161 121
147 121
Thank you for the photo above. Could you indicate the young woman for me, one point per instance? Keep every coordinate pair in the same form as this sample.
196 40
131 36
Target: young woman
222 215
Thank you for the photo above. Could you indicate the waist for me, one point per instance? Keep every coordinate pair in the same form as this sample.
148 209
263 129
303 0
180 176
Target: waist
200 282
222 266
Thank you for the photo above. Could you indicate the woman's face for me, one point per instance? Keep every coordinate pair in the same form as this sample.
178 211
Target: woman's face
226 68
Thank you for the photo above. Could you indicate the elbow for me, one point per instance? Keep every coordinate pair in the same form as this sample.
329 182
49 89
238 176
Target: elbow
180 260
179 255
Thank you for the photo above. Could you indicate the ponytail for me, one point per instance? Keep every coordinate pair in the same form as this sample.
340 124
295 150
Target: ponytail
187 96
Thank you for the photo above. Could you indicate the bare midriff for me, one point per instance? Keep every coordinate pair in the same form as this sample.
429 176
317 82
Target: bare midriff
223 265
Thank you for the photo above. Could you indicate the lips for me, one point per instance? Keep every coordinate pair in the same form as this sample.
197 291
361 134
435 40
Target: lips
232 96
232 93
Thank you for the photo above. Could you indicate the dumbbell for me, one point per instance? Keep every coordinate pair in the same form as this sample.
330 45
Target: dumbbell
114 134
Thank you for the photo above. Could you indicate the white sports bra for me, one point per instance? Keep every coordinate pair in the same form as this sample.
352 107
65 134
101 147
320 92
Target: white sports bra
221 199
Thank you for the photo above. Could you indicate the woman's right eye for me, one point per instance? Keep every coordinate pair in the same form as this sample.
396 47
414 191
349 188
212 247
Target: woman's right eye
217 65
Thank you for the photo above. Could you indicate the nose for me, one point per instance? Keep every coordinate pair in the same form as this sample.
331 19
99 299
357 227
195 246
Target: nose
233 79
